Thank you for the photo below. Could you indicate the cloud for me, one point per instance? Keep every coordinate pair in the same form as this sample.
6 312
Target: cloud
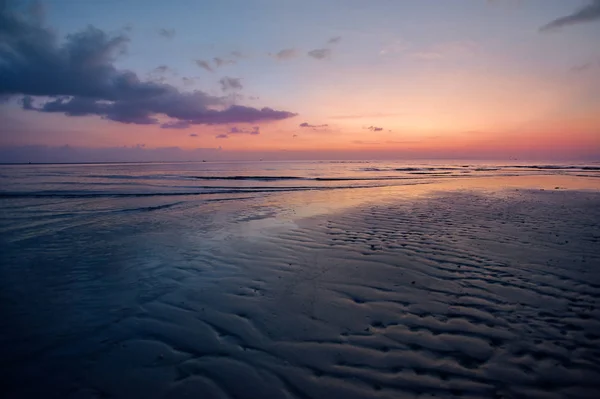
193 135
320 54
334 40
77 77
305 124
158 73
188 81
167 33
161 69
589 13
175 125
286 54
205 65
582 67
219 62
237 130
228 84
237 54
222 136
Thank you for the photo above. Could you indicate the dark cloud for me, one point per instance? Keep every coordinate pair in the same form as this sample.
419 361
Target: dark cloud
375 128
78 77
589 13
286 54
222 136
228 84
305 124
205 65
320 54
237 130
167 33
193 135
334 40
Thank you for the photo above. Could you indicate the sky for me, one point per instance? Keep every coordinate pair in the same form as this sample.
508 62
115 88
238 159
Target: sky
311 79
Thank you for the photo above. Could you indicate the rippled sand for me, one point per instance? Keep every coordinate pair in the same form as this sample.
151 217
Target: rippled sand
484 294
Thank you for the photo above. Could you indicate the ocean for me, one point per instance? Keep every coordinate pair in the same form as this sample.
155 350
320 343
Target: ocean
300 279
229 178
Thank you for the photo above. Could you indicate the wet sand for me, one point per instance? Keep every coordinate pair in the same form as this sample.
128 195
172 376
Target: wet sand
442 292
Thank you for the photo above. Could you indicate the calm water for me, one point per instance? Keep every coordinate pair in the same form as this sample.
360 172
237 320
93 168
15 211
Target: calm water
177 179
83 247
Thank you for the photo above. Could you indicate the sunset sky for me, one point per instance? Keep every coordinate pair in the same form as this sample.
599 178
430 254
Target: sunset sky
308 79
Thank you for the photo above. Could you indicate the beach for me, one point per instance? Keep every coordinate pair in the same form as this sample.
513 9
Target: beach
372 281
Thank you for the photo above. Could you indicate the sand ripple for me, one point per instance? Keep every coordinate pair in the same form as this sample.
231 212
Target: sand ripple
456 295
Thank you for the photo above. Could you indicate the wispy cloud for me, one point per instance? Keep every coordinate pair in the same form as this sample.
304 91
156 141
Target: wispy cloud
188 81
589 13
230 84
219 62
585 66
308 125
158 73
204 65
286 54
253 131
334 40
320 53
167 33
175 125
161 69
240 130
193 135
